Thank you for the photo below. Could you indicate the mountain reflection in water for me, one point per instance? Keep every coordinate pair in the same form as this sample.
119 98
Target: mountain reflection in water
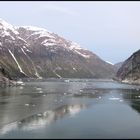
43 119
75 109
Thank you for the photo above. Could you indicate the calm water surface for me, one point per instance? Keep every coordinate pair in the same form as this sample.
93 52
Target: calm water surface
85 108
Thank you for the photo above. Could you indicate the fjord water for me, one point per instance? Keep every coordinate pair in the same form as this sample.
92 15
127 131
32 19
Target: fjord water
73 108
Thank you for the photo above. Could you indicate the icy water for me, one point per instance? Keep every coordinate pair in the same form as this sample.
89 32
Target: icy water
70 109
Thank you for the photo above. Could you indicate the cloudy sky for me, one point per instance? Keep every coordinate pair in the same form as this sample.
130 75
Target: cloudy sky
109 29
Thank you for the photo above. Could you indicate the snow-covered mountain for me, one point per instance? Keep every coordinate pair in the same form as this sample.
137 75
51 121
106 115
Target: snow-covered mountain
29 51
34 35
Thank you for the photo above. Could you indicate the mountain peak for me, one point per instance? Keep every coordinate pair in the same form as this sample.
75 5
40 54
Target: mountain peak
4 26
33 28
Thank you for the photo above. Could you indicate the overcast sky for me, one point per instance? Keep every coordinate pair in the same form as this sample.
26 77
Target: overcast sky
109 29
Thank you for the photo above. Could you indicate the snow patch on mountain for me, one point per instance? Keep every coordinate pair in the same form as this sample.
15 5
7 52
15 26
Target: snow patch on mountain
49 44
51 39
5 33
86 56
23 51
6 27
27 50
43 34
22 40
75 46
37 31
33 28
109 62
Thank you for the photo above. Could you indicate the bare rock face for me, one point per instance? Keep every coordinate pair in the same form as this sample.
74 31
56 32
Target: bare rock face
5 79
30 51
129 72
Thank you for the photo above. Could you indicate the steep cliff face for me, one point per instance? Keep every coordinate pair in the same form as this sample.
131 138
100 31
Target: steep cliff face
34 52
129 72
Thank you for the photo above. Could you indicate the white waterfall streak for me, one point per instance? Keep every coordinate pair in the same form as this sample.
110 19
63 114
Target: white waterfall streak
16 62
36 73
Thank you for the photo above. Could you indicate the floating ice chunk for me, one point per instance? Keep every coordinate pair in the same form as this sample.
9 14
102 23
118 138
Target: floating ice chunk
26 104
65 93
99 97
114 98
40 91
20 87
73 110
39 114
44 95
45 113
121 100
38 88
20 83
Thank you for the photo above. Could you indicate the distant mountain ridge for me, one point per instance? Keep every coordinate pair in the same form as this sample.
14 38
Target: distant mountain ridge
29 51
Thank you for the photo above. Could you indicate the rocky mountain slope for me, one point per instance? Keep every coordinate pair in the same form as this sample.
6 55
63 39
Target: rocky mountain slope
118 65
5 79
30 51
129 72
